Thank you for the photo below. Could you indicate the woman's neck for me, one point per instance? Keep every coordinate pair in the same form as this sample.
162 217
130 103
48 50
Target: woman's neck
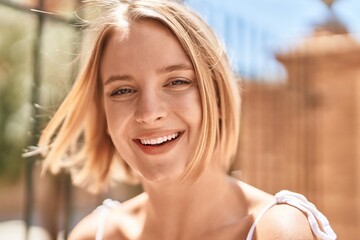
181 210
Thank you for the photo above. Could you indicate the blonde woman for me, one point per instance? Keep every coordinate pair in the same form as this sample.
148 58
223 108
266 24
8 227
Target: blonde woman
156 102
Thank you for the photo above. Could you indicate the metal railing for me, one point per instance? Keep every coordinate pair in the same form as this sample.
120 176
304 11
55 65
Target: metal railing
41 16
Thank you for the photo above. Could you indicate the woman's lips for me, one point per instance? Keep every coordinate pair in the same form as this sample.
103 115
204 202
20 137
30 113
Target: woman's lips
160 140
158 145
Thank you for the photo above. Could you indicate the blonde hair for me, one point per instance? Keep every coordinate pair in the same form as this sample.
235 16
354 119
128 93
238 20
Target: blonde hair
76 136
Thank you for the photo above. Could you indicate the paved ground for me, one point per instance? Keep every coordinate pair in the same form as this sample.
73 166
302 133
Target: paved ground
15 230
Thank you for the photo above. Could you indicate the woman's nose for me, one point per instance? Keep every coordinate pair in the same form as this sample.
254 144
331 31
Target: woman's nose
150 108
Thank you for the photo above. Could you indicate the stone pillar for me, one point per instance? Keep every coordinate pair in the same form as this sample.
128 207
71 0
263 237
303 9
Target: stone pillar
331 87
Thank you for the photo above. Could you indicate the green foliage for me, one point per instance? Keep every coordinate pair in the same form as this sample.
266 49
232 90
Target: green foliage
17 36
15 76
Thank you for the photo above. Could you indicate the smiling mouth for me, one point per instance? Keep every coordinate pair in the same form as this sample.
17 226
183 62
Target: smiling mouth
159 140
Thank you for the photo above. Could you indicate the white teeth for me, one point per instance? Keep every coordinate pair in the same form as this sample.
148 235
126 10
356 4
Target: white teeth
159 140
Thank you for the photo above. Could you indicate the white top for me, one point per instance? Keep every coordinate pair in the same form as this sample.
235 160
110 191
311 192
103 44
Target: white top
318 222
104 210
300 202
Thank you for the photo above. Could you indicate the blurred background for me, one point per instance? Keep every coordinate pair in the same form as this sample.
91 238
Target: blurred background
299 65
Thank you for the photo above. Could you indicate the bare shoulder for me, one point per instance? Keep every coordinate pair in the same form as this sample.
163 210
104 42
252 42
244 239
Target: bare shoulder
256 199
86 228
283 221
122 222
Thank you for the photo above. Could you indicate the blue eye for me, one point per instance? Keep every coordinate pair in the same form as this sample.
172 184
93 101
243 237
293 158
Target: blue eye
123 91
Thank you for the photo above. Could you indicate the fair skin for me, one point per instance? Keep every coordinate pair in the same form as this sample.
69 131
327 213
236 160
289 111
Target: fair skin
147 100
153 110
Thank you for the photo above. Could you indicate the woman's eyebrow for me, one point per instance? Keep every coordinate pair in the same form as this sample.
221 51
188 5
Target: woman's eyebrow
114 78
174 67
162 70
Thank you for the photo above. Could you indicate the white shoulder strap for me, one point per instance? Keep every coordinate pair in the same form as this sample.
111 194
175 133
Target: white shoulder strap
104 211
325 232
252 229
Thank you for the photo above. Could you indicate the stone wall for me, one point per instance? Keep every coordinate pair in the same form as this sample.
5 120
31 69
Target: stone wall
303 134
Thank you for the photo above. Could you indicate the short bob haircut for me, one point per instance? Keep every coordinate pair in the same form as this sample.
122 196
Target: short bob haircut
76 137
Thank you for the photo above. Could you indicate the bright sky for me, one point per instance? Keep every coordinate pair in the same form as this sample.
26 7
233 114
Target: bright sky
255 29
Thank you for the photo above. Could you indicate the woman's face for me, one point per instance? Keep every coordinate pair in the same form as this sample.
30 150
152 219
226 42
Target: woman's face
152 101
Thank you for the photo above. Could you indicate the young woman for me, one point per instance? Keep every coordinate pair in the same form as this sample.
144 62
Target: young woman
156 102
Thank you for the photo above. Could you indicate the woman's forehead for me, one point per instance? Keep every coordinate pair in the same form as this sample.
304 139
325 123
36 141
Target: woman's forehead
147 43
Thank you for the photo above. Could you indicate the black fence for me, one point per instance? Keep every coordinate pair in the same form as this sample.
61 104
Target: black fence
41 14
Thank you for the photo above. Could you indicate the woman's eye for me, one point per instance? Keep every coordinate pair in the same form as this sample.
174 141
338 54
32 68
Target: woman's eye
122 91
179 82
